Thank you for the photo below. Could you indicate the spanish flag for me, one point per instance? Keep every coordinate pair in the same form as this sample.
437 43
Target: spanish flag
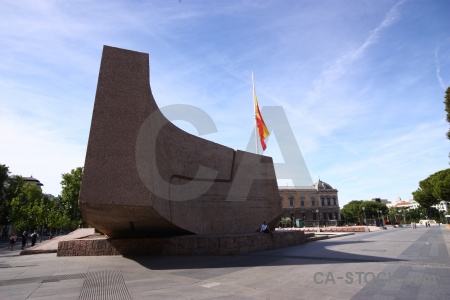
263 132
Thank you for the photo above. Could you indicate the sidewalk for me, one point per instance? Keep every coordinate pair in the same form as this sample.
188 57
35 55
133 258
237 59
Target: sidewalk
388 264
51 245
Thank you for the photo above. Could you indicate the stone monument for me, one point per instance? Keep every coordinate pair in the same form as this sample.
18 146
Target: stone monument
144 177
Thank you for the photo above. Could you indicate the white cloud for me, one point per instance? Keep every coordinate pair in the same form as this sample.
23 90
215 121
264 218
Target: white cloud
361 105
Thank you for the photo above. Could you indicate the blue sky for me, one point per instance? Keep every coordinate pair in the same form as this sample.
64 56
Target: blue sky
362 82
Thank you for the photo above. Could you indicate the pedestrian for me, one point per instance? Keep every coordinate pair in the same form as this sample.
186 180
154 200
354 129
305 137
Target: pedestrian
34 237
12 241
265 229
24 239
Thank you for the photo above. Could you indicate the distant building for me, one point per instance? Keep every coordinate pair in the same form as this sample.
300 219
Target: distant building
401 204
379 200
38 183
32 180
442 206
309 205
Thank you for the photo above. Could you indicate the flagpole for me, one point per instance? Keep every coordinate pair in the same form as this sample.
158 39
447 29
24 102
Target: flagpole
254 110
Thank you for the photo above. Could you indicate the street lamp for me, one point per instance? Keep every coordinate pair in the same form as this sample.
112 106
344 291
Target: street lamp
379 222
318 216
364 210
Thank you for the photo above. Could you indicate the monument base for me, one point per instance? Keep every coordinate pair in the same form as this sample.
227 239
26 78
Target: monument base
182 245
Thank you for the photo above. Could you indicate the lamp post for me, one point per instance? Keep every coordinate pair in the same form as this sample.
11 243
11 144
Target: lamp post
379 222
364 210
318 216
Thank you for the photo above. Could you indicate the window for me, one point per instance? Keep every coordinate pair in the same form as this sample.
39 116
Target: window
314 215
328 201
336 216
302 201
334 201
322 198
291 201
330 216
313 201
303 215
324 216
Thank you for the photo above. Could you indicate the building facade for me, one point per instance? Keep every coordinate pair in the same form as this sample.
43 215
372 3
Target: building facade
311 206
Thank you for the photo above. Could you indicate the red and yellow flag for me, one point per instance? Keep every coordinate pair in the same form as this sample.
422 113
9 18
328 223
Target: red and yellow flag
262 128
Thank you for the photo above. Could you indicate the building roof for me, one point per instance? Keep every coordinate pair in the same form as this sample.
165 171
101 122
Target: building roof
321 185
32 180
296 187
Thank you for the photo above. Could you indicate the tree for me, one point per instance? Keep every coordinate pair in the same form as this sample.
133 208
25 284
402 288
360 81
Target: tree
12 187
25 207
433 189
353 211
4 176
71 185
287 222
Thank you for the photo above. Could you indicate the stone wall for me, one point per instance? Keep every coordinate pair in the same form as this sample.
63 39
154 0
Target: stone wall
183 245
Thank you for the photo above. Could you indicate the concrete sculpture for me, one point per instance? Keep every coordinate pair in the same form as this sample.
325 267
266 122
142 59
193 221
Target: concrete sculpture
143 176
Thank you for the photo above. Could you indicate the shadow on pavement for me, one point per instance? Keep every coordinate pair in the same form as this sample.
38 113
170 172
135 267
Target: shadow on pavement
307 254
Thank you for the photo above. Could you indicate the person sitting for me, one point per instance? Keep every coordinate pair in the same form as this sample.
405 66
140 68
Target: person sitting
265 228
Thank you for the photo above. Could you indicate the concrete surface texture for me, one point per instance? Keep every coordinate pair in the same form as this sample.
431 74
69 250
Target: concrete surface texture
51 245
398 263
143 175
231 244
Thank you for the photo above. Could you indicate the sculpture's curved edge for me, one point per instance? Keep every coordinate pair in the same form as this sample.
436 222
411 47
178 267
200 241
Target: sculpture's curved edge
114 221
113 197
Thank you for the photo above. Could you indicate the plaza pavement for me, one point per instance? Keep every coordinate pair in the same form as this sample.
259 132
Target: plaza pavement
399 263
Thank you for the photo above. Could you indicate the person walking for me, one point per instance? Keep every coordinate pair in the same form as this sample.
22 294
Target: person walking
12 241
24 239
34 237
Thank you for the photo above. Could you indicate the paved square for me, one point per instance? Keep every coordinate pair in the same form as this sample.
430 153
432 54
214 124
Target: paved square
399 263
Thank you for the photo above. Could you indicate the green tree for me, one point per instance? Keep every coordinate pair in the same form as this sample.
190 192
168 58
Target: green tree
433 189
287 222
25 207
4 176
68 203
353 211
44 212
